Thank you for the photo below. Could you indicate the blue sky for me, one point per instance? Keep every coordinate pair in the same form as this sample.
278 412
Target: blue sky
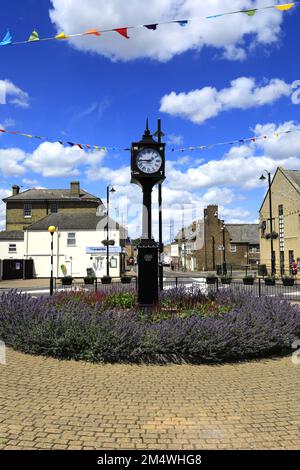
100 91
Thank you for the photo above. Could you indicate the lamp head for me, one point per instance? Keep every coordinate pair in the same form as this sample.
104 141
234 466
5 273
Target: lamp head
112 190
262 178
51 229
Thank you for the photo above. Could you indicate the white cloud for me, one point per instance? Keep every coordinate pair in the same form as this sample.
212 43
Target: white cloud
11 162
29 182
174 139
242 165
12 94
3 194
51 159
119 176
8 122
231 35
205 103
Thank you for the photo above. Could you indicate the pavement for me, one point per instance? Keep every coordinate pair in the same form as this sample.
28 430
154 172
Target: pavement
51 404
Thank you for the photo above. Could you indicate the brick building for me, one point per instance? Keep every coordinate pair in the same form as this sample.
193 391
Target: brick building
285 191
28 207
201 246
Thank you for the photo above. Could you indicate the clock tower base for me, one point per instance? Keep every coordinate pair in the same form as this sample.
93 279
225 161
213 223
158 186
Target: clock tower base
147 273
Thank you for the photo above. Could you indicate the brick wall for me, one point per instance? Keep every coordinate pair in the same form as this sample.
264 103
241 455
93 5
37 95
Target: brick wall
15 219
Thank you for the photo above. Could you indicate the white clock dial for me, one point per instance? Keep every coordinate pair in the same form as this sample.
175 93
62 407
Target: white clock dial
149 161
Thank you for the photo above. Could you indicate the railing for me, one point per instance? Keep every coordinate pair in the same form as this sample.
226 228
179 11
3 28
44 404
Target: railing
258 288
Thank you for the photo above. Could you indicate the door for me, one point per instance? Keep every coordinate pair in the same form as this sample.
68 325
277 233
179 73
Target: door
12 269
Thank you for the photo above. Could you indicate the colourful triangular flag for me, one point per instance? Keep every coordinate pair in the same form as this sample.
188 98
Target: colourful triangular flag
34 36
250 12
286 6
61 36
93 32
151 26
71 144
123 32
182 22
6 40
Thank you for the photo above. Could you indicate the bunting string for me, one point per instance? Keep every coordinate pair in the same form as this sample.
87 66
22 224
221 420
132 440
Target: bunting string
35 38
171 149
234 142
63 142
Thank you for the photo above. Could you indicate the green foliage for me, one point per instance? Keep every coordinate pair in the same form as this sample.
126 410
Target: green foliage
120 300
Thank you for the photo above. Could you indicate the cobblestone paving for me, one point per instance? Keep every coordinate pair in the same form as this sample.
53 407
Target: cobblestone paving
50 404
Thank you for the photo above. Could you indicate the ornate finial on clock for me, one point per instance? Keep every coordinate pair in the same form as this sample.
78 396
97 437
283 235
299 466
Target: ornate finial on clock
147 132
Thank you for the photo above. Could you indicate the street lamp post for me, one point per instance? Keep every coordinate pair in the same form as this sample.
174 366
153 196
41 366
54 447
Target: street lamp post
51 230
263 178
224 248
109 189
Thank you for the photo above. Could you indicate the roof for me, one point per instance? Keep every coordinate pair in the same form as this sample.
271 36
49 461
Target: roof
63 221
11 235
293 175
52 195
244 233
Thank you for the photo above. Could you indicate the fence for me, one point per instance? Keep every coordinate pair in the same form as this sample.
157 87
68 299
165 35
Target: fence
258 288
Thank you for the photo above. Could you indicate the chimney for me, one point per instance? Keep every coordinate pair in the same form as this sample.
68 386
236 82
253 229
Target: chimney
75 188
15 189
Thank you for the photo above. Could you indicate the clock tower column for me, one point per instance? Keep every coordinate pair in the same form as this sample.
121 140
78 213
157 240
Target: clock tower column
147 170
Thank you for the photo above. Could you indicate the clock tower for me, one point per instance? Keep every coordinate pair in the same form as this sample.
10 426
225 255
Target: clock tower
147 170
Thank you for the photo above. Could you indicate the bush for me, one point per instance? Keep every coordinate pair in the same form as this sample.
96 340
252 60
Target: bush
237 327
120 300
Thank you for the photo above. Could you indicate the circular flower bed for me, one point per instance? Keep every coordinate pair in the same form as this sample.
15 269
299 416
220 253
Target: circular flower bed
187 327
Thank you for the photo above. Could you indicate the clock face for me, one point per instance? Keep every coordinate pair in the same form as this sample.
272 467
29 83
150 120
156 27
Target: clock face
148 161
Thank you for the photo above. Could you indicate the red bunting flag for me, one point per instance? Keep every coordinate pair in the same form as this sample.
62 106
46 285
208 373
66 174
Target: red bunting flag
123 32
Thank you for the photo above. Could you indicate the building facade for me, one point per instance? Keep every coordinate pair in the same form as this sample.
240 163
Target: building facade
285 196
206 244
77 242
27 207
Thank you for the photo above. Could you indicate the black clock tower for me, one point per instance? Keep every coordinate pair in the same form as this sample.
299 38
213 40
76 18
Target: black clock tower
147 170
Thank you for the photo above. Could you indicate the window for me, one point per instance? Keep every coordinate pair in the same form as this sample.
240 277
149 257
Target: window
27 211
12 248
71 239
263 228
232 248
53 208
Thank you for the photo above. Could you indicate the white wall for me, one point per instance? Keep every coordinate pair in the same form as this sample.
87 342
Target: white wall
74 258
4 253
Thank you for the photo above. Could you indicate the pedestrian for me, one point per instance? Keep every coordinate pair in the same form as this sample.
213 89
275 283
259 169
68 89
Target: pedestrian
294 267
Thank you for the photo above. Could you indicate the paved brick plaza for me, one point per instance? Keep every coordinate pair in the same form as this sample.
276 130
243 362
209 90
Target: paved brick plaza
51 404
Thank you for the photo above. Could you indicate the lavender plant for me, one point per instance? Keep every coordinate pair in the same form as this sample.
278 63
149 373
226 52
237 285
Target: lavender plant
234 328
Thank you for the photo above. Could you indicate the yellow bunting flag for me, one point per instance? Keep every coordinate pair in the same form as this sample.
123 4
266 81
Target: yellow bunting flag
34 36
61 36
286 6
93 32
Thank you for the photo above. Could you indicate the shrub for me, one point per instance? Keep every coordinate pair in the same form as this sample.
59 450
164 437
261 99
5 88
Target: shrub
238 327
120 300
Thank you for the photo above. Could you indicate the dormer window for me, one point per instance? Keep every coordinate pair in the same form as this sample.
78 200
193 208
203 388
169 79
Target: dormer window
27 211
